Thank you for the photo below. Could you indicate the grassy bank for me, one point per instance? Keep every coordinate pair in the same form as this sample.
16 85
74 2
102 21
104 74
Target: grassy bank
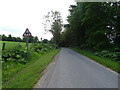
31 72
104 61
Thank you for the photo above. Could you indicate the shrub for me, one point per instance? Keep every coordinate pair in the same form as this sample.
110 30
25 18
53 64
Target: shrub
18 54
14 54
112 55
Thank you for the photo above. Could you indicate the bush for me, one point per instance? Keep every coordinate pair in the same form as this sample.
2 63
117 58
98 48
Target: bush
18 54
112 55
15 54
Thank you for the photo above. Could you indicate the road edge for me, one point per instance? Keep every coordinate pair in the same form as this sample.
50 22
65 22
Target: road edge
107 68
47 73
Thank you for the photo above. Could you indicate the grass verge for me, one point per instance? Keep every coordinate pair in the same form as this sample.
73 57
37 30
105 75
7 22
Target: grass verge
31 72
104 61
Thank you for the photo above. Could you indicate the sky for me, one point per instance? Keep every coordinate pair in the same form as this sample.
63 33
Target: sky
17 15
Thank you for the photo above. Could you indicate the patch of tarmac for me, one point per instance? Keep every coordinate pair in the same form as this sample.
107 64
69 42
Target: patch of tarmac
47 74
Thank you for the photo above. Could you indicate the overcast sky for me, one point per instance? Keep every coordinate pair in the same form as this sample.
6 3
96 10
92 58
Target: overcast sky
17 15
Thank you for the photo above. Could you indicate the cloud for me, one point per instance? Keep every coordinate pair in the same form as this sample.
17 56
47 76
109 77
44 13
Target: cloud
17 15
10 29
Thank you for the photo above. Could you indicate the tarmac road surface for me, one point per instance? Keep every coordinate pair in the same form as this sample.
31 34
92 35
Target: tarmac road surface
73 70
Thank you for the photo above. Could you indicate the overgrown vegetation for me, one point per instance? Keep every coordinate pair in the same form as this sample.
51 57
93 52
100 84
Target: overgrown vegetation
30 72
94 27
16 54
113 55
14 59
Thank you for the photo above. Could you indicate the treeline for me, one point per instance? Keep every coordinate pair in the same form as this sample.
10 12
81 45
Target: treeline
18 39
93 25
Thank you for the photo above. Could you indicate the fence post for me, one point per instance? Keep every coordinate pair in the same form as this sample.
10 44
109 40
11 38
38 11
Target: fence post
3 47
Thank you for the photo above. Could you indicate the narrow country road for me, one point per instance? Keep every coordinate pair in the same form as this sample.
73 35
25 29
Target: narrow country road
73 70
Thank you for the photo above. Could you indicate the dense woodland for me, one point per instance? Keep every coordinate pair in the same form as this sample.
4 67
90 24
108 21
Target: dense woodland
93 26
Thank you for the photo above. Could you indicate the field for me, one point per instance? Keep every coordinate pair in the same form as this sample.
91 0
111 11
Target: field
9 44
19 71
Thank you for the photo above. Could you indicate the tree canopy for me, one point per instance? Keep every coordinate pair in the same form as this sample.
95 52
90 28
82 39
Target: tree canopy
53 24
18 39
93 25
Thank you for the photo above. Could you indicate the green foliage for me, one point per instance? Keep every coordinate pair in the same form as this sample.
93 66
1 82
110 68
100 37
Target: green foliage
11 38
14 59
31 39
93 25
45 41
18 39
16 55
111 55
28 74
53 24
42 48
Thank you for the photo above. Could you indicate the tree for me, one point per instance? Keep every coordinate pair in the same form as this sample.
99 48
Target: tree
4 38
93 25
53 24
36 39
10 38
45 41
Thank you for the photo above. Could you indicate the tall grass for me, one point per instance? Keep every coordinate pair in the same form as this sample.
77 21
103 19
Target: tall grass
31 72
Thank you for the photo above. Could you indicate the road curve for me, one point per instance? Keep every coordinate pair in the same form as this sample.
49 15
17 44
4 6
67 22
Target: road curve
73 70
